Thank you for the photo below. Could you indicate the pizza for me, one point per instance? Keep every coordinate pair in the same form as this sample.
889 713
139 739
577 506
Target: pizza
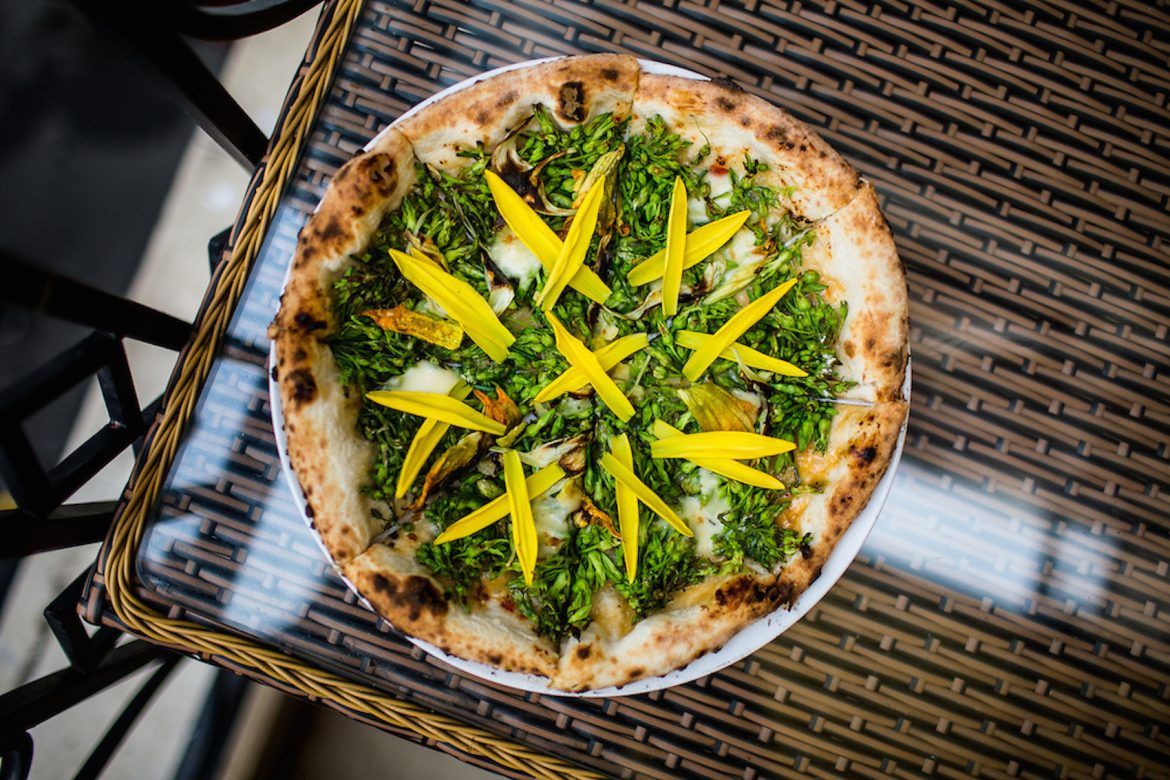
585 368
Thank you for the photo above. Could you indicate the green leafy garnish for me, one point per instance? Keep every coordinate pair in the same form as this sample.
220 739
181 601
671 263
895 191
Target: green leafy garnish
450 218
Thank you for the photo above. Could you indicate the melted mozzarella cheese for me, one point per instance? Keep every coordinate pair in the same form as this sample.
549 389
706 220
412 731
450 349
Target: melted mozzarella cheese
571 406
513 258
720 184
549 453
697 211
611 613
702 513
425 377
755 399
551 512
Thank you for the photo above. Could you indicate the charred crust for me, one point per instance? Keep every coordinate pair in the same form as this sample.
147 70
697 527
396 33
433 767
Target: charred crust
727 83
482 117
304 387
571 101
745 121
777 133
840 504
865 454
307 322
783 592
583 651
506 99
806 551
495 659
274 374
308 510
420 595
332 230
379 170
725 103
299 354
417 594
610 74
751 592
895 358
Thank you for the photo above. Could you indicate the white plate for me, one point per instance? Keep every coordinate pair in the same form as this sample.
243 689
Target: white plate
743 644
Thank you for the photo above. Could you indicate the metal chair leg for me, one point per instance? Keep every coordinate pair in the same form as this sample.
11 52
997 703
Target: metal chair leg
16 755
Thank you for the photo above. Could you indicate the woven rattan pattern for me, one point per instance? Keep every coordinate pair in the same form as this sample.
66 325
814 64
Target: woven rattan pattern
1010 614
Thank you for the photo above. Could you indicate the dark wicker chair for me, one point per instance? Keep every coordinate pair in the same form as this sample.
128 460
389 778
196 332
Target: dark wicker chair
157 34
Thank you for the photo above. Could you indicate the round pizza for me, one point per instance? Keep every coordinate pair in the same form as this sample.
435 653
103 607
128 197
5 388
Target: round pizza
586 368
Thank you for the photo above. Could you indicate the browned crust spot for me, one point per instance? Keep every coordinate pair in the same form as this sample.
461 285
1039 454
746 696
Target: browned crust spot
572 101
417 595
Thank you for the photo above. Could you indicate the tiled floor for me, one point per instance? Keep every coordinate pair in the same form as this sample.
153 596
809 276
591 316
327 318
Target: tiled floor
203 199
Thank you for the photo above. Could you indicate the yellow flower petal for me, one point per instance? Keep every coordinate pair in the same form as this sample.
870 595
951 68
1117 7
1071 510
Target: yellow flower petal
520 507
571 258
627 506
460 300
524 221
497 509
724 467
433 406
624 474
689 339
580 357
700 243
423 444
734 445
540 238
676 238
734 328
573 379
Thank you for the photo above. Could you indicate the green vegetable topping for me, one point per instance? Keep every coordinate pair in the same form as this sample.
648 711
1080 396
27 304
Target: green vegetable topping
450 218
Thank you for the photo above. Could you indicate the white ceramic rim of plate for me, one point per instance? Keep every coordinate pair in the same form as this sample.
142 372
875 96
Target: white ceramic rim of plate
749 639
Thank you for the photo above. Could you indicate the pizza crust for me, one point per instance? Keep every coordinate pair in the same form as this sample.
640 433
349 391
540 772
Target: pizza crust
821 180
403 592
330 462
855 252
